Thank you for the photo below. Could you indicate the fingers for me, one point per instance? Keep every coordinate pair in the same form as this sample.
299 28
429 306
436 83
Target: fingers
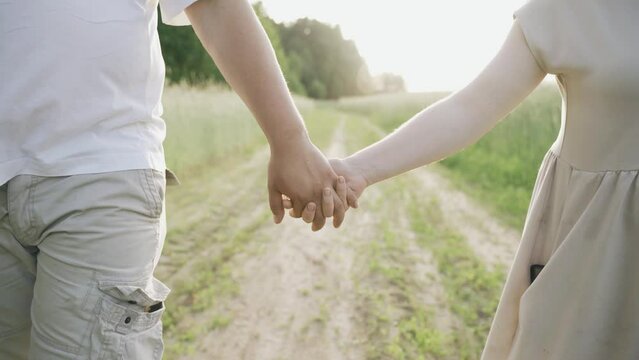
342 190
327 202
340 212
352 199
308 215
276 204
288 204
341 202
293 211
298 208
335 203
319 221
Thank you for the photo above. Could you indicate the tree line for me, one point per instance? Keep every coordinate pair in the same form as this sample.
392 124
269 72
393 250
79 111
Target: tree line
315 58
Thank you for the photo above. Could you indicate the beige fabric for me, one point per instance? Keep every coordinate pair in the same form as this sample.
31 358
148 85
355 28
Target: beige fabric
77 255
583 221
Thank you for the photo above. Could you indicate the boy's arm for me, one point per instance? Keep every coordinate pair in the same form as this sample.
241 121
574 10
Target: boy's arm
233 36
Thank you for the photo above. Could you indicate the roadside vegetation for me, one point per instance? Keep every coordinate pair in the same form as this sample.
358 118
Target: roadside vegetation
419 289
499 170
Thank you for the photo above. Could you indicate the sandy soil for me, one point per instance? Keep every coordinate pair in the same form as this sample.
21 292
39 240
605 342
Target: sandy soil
297 296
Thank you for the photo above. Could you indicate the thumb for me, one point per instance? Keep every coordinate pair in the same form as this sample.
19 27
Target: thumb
352 199
276 204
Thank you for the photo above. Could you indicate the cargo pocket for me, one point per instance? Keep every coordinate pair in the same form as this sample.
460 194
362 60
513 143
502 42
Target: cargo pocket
129 320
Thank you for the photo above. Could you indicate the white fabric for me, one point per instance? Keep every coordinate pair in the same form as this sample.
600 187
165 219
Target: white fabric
583 222
173 11
81 85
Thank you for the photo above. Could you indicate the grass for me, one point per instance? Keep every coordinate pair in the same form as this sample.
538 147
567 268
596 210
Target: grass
398 326
210 132
211 141
206 126
500 170
472 290
209 285
502 167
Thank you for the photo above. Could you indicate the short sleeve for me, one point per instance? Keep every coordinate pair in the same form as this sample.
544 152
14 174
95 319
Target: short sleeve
172 11
536 20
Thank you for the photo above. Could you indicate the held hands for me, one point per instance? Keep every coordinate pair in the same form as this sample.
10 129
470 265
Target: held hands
298 173
354 177
350 186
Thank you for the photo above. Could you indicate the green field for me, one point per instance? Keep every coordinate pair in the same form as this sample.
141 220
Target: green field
407 281
501 168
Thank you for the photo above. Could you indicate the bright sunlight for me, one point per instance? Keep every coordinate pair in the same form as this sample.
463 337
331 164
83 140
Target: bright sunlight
434 45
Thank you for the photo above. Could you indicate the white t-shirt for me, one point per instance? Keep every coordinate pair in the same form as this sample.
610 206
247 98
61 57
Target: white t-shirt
80 85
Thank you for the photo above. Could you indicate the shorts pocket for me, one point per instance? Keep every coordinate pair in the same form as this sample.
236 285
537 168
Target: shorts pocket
129 322
153 183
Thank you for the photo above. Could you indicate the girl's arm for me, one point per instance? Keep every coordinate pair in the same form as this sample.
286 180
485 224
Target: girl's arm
450 124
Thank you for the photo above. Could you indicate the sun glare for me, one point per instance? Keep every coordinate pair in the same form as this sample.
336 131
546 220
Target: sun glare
434 45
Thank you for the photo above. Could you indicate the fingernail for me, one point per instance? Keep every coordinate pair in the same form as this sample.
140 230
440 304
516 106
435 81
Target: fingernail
311 206
341 180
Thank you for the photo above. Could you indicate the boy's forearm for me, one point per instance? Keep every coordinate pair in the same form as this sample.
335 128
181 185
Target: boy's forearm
232 34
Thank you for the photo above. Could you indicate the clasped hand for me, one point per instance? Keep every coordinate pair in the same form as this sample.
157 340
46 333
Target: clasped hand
300 178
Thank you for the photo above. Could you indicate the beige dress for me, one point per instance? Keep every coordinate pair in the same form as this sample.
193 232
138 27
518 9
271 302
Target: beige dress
583 220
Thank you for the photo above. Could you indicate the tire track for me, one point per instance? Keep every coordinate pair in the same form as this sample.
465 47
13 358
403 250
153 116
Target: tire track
297 299
301 294
491 241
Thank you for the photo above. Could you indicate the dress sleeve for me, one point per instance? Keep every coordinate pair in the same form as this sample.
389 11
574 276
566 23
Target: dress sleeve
172 11
537 22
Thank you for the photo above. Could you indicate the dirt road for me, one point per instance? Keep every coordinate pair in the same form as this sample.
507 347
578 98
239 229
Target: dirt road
247 289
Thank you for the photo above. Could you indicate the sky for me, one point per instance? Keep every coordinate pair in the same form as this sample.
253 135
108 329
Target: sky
434 45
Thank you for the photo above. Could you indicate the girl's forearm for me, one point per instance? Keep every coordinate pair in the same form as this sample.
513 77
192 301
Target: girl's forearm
459 120
436 132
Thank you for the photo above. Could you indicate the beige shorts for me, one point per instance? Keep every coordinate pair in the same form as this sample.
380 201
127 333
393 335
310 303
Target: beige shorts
77 255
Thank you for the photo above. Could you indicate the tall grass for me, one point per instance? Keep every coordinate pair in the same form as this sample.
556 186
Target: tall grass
208 125
210 131
204 125
502 167
388 111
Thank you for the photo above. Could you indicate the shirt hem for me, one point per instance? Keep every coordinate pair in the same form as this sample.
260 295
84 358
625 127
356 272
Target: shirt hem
82 165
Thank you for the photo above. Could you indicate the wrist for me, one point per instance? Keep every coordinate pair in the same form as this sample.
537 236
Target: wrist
287 140
362 169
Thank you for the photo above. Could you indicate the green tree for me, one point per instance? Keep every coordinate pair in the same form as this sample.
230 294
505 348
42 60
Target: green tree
185 58
273 32
328 65
314 57
187 61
